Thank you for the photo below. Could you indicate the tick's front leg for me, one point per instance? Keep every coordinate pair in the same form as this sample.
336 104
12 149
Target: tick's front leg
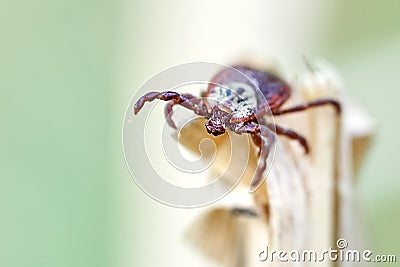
267 142
166 96
267 138
197 107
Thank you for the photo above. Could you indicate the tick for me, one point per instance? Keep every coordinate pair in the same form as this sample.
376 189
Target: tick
230 102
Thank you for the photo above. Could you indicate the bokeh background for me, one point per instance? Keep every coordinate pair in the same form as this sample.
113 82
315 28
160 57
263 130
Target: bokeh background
69 68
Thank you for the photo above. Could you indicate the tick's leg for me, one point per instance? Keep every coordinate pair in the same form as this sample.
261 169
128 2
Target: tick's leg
257 141
167 111
169 108
292 135
166 96
315 103
267 138
265 148
176 97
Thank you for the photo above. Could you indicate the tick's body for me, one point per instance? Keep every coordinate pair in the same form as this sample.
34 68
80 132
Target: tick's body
273 89
231 101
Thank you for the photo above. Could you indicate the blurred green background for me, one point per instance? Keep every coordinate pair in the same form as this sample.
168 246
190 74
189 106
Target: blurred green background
69 69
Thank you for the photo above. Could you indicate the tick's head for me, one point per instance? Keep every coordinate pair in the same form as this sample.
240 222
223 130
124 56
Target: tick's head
216 124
